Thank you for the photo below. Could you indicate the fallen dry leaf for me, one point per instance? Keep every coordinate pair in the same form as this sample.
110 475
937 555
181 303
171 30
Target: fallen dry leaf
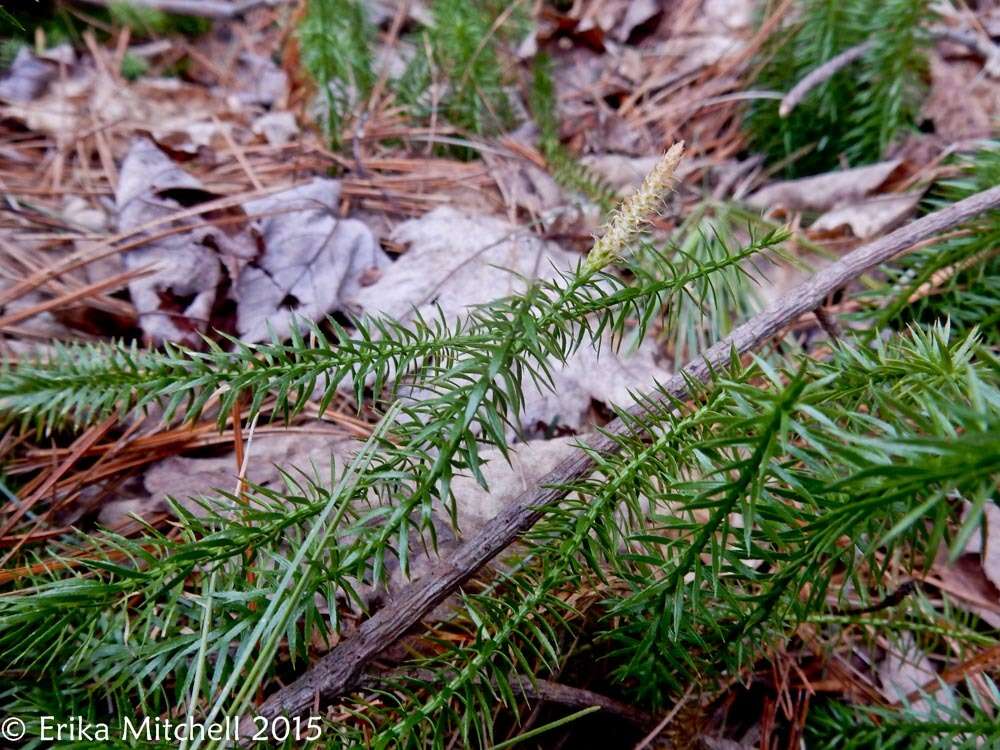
313 262
455 260
987 544
528 463
525 186
175 302
971 115
966 584
295 259
278 128
624 173
868 218
26 78
87 98
825 191
186 479
734 15
259 81
907 668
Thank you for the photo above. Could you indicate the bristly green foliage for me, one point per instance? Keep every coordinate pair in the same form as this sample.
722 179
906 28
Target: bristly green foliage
335 39
146 21
891 80
860 110
454 74
966 722
565 169
957 278
781 478
726 521
461 52
707 226
60 25
9 48
9 21
133 67
314 536
80 384
788 489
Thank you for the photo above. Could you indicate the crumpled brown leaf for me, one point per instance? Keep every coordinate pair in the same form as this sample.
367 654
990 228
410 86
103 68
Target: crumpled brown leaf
868 218
175 302
313 262
297 259
457 260
907 668
973 113
825 191
27 78
259 81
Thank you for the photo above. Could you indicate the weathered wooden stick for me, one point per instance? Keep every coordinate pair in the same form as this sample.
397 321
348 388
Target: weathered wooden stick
341 669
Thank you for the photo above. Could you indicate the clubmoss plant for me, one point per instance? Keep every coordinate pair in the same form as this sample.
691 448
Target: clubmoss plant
788 490
335 39
859 111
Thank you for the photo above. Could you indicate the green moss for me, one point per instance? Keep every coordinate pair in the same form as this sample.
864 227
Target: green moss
133 67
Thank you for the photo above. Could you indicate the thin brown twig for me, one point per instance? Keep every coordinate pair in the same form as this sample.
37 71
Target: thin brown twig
534 689
341 669
820 75
981 662
671 715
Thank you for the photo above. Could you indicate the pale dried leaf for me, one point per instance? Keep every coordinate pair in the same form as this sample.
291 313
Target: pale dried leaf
187 134
311 453
27 78
259 81
825 191
278 128
868 218
735 15
457 260
89 99
697 51
637 13
968 587
991 551
590 375
624 173
907 668
525 186
961 102
313 264
173 303
529 462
